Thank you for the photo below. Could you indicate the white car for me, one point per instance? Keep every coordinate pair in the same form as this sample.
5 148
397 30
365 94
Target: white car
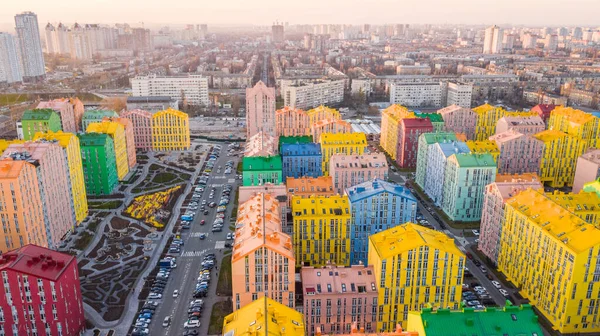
503 292
496 284
476 232
191 324
155 296
175 293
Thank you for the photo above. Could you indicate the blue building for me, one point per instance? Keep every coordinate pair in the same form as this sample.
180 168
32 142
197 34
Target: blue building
301 159
376 206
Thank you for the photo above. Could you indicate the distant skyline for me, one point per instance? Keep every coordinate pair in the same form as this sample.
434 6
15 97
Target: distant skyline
265 12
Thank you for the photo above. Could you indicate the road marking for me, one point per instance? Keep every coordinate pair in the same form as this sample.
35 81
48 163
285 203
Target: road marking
197 234
193 253
220 245
231 181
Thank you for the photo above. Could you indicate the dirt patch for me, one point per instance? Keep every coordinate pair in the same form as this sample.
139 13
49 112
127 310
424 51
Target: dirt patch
118 223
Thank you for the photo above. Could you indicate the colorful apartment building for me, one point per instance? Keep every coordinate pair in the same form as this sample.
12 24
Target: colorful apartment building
291 122
278 191
336 297
508 320
593 186
117 132
95 116
459 120
409 131
307 186
556 248
72 151
437 159
260 144
346 144
99 163
170 131
583 126
559 154
321 113
523 124
129 139
544 110
64 109
301 160
355 331
294 140
48 283
258 170
436 120
390 124
142 128
375 206
262 261
5 143
519 153
585 205
414 267
55 188
321 230
39 120
333 126
494 197
487 117
425 140
260 110
484 147
587 169
350 170
23 213
264 317
78 110
466 176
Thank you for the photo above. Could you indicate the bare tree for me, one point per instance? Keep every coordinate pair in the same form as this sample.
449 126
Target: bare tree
117 104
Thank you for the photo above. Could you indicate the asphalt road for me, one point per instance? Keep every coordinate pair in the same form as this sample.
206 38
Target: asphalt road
183 278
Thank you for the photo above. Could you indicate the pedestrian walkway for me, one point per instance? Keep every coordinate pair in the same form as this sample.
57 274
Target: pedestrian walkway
220 245
193 253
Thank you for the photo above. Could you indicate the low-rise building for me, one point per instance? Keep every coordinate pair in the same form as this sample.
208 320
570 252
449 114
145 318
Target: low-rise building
301 160
39 120
258 170
350 170
523 124
459 94
544 110
192 88
314 93
260 144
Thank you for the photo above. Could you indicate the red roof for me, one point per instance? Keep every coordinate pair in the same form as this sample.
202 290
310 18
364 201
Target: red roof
36 261
417 122
544 108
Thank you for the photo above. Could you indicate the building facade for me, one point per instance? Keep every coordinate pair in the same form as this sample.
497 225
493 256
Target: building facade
321 113
170 131
587 169
260 110
301 160
30 46
346 144
258 170
190 89
262 315
151 103
129 139
409 131
65 111
142 128
99 163
350 170
523 124
484 147
291 122
417 94
260 144
459 94
314 93
117 132
437 159
519 153
39 120
333 126
425 140
10 69
390 124
459 119
95 116
557 162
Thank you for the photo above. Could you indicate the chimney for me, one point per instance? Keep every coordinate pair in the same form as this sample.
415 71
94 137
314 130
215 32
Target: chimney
258 314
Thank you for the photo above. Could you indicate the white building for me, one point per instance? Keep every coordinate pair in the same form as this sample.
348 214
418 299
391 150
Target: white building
459 94
30 46
10 70
49 34
192 89
313 94
529 41
79 43
361 85
417 94
551 42
492 43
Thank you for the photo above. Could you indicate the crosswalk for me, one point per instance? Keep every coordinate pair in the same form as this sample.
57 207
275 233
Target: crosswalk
220 245
189 254
196 234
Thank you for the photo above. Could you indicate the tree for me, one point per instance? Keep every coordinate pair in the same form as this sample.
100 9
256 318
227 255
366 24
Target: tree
116 104
235 105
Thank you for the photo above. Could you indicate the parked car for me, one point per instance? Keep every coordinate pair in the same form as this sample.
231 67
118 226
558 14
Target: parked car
496 284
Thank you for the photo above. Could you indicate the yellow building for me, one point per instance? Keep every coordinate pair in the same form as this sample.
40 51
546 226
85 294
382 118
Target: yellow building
170 130
488 116
552 256
585 205
117 132
341 143
557 164
70 143
584 127
321 230
264 317
5 143
320 113
390 121
484 147
414 267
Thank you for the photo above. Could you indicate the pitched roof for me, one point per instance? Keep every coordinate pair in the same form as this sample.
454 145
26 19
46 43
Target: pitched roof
36 261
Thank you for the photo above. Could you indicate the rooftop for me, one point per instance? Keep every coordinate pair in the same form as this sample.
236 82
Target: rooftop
171 111
36 261
453 147
300 149
11 169
61 137
582 202
149 99
261 163
264 317
93 139
573 115
307 184
510 185
431 138
549 135
332 279
433 117
316 205
39 114
107 127
376 160
452 109
376 187
417 122
343 139
592 155
98 114
484 146
469 160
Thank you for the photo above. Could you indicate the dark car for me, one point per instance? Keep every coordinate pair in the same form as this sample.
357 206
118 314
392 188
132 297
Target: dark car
205 212
217 229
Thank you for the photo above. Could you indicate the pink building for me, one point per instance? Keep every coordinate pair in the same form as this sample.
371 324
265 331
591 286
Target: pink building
64 109
278 191
129 139
260 144
523 124
142 128
587 169
291 122
409 131
350 170
519 153
459 120
262 259
336 297
329 126
55 188
495 196
260 110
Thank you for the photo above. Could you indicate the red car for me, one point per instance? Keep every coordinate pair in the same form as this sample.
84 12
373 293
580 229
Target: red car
202 222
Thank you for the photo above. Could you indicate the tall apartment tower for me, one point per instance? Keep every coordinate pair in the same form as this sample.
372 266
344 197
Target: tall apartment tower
10 70
492 44
260 110
30 46
50 36
277 31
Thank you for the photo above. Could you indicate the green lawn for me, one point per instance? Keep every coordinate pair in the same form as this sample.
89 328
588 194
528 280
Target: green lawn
105 205
219 311
164 178
12 98
224 284
84 241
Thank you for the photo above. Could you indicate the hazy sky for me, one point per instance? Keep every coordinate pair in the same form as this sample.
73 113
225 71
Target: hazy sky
264 12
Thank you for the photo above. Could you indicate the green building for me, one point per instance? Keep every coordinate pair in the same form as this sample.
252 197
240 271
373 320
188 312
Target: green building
593 186
258 170
94 116
39 120
301 139
425 140
435 118
99 163
507 321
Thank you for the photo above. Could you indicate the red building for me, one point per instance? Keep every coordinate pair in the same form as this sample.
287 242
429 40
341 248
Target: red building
543 110
42 295
408 140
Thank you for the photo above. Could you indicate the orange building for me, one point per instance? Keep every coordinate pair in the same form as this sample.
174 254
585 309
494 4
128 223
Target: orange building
307 186
262 258
129 139
291 122
329 126
356 332
22 212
